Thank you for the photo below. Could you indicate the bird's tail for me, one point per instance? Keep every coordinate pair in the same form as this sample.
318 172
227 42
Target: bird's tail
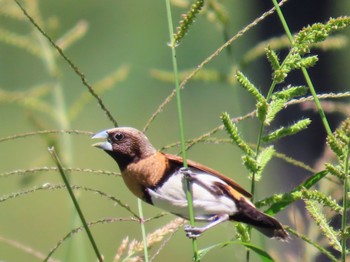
266 224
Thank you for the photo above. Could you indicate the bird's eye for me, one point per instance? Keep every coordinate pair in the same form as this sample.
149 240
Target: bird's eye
118 136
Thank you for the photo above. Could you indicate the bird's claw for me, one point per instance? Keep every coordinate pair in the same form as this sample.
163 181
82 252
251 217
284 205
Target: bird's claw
186 172
193 232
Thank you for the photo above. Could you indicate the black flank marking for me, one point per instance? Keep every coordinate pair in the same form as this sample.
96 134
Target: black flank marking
146 196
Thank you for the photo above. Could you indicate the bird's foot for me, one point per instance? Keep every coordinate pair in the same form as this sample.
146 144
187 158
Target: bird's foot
187 173
193 232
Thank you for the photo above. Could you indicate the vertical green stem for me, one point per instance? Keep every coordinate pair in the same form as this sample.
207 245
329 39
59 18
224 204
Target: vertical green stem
345 204
143 230
75 203
304 71
182 135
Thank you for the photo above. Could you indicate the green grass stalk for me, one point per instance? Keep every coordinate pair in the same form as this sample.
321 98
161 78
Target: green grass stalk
181 127
143 231
345 205
75 202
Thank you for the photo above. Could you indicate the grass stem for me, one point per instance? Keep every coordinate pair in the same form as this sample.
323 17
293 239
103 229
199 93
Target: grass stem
75 202
143 231
181 127
345 206
304 71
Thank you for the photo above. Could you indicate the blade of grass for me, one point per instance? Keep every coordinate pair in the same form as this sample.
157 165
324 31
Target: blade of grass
262 254
182 136
308 183
75 202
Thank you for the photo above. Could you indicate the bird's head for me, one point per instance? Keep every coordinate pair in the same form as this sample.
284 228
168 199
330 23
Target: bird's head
125 144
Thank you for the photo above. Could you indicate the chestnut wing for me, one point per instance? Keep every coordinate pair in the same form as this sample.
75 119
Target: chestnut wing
234 185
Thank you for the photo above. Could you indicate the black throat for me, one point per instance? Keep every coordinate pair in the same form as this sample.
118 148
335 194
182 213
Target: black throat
123 160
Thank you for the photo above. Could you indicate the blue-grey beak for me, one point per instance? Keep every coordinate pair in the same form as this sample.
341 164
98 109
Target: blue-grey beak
102 145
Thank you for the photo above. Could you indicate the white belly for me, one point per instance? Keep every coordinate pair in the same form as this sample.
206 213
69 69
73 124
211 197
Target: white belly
171 196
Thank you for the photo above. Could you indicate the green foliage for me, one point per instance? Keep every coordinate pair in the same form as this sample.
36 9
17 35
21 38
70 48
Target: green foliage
263 158
245 83
320 198
287 131
242 232
279 100
273 58
303 42
335 171
46 101
262 254
340 140
317 33
261 101
321 221
187 20
232 130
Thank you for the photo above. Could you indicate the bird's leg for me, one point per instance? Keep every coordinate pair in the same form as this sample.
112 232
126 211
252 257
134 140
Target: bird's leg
194 232
187 173
193 178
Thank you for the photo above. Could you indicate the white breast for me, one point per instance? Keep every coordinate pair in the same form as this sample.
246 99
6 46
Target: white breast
171 196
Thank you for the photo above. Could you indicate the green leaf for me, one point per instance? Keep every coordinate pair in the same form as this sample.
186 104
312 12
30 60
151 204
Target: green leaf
262 254
279 206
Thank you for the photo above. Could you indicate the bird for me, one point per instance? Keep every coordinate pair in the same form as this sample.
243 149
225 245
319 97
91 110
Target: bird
159 179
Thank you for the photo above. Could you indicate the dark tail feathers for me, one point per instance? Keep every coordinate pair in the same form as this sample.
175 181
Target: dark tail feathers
267 225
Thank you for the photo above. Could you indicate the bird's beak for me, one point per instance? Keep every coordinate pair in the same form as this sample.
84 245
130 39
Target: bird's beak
107 146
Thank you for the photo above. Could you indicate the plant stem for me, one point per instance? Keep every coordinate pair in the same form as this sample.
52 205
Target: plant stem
304 71
345 204
182 136
143 230
76 204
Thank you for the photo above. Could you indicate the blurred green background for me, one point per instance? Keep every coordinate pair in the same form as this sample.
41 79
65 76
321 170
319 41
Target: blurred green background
131 35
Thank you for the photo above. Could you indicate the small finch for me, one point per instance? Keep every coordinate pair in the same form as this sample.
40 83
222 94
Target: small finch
159 179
